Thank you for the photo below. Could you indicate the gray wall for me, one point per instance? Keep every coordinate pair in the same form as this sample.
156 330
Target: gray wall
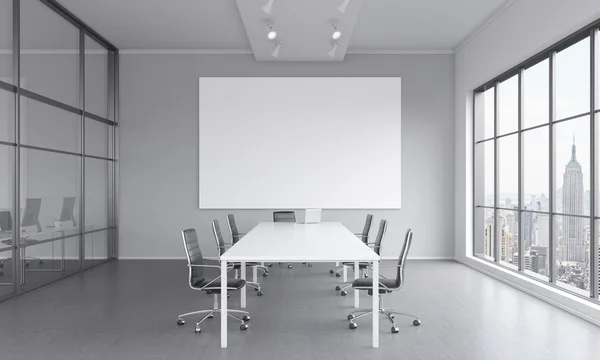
159 150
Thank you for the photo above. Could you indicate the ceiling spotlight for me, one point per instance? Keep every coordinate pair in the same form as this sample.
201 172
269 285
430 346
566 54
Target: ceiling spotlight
333 49
342 8
269 7
336 33
271 34
275 52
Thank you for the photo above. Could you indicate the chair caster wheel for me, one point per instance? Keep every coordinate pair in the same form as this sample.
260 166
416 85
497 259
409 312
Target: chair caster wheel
246 318
395 329
41 262
211 316
180 322
27 264
259 293
392 316
352 326
331 271
265 274
289 266
416 322
343 293
337 288
244 327
270 265
309 265
198 331
338 275
228 296
350 317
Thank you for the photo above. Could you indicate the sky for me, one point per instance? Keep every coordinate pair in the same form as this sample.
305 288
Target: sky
572 98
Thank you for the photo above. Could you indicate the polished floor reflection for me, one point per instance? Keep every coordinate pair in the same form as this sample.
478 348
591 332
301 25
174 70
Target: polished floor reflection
127 310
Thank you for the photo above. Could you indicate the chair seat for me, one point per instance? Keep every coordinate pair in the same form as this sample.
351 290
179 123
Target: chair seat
361 265
215 286
367 284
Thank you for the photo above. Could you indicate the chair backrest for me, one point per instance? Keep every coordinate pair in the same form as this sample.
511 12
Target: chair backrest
284 216
365 233
402 258
235 234
218 237
194 256
380 236
5 221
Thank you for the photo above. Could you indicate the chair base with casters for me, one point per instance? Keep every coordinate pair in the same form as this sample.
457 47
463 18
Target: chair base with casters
280 264
27 260
210 313
343 286
388 313
252 284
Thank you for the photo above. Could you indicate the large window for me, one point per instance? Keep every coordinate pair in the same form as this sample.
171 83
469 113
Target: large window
536 166
57 151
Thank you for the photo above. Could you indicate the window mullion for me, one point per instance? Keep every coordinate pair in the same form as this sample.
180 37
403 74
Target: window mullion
552 107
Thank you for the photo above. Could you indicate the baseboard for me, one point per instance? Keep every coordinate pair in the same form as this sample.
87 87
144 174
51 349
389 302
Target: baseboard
151 258
183 258
546 299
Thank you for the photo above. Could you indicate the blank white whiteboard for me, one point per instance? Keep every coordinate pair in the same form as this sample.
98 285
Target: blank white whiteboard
291 143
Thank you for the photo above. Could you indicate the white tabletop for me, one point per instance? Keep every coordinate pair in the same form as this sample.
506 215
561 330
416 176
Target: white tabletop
329 241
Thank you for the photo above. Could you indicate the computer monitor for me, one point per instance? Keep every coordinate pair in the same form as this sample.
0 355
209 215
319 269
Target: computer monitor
5 221
68 207
32 213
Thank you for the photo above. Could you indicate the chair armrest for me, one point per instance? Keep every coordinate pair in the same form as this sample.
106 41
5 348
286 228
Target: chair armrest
383 286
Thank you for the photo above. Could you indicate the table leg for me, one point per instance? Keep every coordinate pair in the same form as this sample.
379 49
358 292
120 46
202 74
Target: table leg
223 304
356 276
375 304
243 290
255 274
345 273
337 263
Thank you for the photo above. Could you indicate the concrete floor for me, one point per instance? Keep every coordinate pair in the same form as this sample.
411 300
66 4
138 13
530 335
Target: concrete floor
128 310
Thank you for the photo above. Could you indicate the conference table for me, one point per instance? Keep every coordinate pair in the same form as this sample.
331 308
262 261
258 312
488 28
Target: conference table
293 242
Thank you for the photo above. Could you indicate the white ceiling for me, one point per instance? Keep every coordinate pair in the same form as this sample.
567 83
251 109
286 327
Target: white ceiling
216 25
304 29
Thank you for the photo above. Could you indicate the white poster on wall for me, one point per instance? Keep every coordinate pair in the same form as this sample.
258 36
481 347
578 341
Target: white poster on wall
298 142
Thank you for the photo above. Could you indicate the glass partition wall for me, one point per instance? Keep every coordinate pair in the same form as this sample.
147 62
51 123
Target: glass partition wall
58 128
536 166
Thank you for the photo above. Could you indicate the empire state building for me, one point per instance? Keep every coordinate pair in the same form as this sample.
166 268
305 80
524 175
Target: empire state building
572 243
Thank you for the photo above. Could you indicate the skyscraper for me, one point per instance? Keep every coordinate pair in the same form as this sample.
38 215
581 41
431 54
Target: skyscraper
572 243
528 229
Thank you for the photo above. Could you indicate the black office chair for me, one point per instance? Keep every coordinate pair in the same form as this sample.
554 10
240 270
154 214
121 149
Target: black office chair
386 286
222 247
284 216
236 236
200 282
364 236
364 266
